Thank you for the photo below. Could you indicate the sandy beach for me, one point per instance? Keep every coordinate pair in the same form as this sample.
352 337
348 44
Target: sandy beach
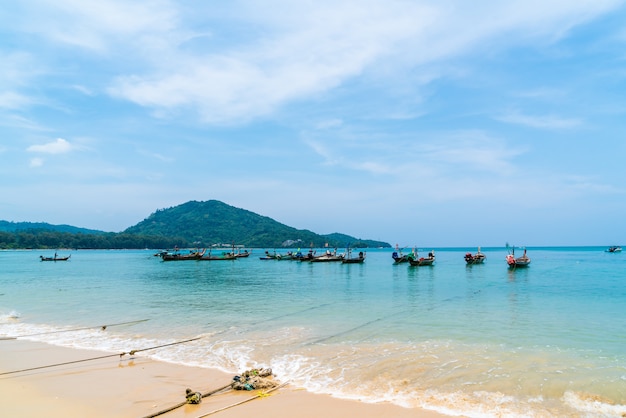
135 386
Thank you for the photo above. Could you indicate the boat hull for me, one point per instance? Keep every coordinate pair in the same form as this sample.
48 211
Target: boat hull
54 258
357 260
422 262
517 262
472 259
216 258
171 257
326 259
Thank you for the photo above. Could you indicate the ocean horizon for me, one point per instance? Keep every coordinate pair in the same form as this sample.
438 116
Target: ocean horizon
548 340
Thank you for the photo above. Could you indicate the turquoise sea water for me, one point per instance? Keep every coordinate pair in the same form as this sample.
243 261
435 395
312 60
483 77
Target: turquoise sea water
478 341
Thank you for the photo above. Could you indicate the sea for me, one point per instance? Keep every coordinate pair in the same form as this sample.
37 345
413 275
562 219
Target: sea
548 340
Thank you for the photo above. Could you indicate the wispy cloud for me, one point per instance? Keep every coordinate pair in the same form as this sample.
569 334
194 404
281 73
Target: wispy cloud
60 146
156 156
329 124
585 185
473 151
315 48
36 162
540 122
13 100
444 157
99 25
372 167
306 52
17 121
547 93
82 89
395 96
17 69
322 150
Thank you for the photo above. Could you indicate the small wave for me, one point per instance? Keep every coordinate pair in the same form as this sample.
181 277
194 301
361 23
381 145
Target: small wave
593 405
377 373
10 316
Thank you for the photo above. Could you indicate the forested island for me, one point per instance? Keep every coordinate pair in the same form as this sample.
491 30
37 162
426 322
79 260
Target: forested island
190 225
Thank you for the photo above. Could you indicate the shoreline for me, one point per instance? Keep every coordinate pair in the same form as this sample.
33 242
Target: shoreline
135 386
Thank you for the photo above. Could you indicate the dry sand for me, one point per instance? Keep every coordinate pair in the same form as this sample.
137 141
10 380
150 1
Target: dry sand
139 387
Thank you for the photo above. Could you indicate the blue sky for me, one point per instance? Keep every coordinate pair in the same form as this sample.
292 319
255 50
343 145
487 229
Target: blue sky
427 123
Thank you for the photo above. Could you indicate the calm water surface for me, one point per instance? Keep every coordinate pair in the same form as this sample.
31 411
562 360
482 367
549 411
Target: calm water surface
481 341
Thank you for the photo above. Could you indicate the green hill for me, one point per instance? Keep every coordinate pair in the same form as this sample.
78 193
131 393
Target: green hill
192 224
6 226
214 222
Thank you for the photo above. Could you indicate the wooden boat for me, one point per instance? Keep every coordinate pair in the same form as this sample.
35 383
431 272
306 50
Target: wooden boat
513 262
289 255
614 249
177 256
298 256
477 258
223 256
349 259
398 257
423 261
55 258
242 254
278 257
269 256
328 256
308 257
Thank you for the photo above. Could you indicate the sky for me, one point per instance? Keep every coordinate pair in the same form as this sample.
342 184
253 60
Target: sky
419 123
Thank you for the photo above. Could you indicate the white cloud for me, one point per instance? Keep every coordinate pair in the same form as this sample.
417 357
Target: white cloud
60 146
191 56
36 162
313 48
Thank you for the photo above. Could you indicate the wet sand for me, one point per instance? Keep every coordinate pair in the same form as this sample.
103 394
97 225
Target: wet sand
134 386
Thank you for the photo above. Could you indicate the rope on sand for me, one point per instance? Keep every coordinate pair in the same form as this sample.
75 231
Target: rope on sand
260 394
132 352
178 405
249 380
103 327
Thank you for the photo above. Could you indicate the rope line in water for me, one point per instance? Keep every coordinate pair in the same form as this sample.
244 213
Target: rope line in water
103 327
178 405
258 395
384 318
254 324
132 352
290 314
355 328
